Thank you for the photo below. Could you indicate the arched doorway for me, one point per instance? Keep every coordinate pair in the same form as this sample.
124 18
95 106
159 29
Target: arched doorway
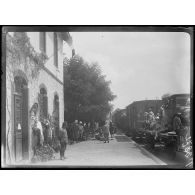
56 114
21 118
43 102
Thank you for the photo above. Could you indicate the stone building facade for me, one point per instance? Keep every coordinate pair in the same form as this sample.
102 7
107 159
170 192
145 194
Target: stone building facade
34 78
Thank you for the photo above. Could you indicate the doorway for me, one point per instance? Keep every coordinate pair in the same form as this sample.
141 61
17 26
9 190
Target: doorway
21 119
43 102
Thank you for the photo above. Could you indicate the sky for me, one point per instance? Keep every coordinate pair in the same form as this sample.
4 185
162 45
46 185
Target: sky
140 65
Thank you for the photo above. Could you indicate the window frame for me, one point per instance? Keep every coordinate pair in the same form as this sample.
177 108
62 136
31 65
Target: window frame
55 42
42 42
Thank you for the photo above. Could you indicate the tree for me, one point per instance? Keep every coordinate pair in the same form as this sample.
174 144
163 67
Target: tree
87 94
165 95
120 119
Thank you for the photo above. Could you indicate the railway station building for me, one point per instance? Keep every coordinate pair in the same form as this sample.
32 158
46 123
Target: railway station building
34 80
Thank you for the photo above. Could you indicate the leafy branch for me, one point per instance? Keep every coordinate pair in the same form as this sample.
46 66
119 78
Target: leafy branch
20 49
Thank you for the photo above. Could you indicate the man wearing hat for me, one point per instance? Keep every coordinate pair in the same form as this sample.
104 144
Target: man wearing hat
105 129
63 137
81 130
151 117
75 130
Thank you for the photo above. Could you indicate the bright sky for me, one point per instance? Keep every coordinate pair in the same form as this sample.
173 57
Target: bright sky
140 65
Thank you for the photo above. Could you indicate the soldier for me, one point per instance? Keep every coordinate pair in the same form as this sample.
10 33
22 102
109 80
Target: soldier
63 137
151 117
105 130
75 129
111 129
40 130
81 130
146 120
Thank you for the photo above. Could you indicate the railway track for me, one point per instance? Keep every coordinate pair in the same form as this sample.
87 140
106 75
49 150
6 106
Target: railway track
164 154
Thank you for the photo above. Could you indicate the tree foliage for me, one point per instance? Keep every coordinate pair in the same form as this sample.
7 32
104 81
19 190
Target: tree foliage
120 119
165 95
87 93
20 51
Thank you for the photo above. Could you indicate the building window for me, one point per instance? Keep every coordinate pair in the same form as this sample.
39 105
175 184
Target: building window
55 38
42 41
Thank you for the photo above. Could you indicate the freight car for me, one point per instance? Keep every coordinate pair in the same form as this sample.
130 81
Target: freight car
170 128
174 124
136 118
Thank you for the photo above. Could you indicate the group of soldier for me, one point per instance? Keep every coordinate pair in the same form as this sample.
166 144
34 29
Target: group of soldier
44 134
150 119
79 131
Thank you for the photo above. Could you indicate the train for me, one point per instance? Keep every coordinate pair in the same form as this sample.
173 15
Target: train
135 114
171 124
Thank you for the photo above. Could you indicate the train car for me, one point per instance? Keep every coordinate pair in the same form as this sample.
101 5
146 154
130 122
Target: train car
135 115
174 128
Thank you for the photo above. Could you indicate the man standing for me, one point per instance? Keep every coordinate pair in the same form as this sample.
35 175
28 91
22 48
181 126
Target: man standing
81 130
105 130
63 137
76 130
40 131
111 129
151 117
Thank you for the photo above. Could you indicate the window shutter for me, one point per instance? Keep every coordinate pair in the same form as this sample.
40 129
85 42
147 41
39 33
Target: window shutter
41 106
55 49
42 41
45 105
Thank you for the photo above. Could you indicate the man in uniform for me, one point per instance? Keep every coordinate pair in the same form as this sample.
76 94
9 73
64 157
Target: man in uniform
76 130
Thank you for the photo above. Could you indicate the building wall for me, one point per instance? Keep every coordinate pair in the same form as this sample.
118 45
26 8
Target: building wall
34 39
52 85
9 122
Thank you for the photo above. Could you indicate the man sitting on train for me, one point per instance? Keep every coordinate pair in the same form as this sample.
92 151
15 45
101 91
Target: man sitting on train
151 118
